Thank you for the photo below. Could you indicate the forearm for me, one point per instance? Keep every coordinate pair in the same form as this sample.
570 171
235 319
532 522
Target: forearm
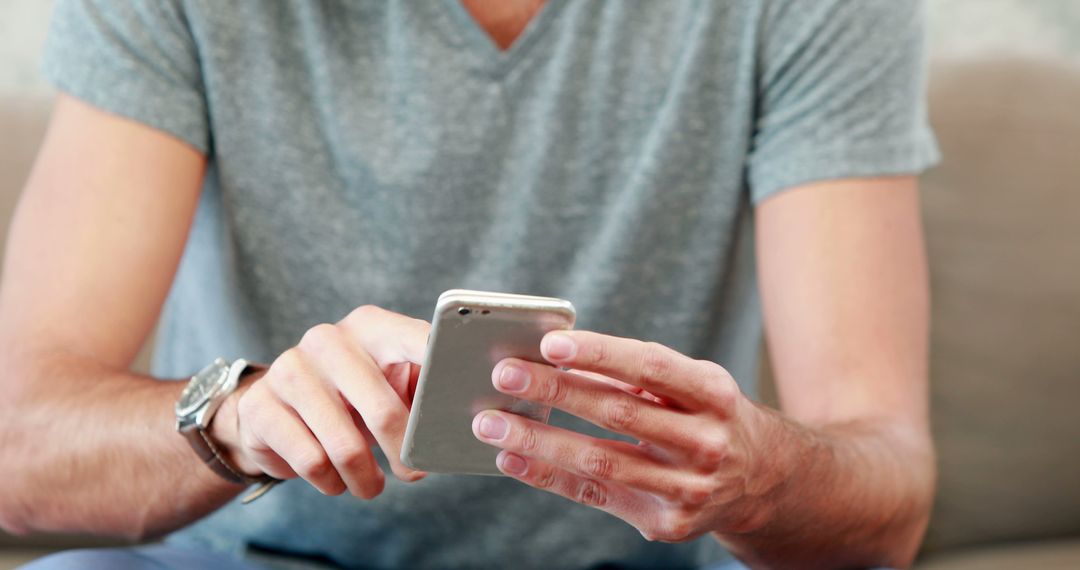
88 449
856 494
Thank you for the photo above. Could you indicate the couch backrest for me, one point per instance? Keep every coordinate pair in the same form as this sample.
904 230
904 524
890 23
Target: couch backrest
1002 216
22 126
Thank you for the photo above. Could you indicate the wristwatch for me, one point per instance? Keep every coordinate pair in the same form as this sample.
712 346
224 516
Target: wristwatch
195 409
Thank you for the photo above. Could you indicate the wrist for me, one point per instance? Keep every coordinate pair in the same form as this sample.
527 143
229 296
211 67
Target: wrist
781 450
224 428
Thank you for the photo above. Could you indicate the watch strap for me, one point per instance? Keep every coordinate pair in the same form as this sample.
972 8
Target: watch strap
212 457
208 451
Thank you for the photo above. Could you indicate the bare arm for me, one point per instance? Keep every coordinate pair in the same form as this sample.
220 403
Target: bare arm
87 445
844 479
844 287
90 447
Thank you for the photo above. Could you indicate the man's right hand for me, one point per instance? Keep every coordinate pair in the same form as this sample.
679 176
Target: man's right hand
322 406
89 446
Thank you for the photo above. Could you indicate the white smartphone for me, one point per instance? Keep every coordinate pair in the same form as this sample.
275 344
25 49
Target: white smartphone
470 333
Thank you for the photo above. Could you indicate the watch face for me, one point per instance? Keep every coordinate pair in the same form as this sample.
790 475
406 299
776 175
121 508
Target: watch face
202 386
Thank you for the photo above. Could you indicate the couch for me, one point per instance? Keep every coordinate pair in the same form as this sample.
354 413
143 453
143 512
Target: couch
1002 215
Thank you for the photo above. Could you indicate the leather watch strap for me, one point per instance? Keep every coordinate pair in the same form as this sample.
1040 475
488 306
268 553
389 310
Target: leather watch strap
212 457
207 451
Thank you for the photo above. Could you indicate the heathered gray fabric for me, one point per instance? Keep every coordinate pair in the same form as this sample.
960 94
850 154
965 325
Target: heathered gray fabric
382 152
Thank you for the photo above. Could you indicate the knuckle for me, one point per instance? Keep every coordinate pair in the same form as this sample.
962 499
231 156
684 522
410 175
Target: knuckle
710 368
351 456
597 355
286 365
554 391
676 526
545 479
655 362
592 493
320 338
722 387
530 439
419 322
680 532
649 533
385 421
312 467
695 494
599 464
724 399
364 313
287 376
620 414
713 451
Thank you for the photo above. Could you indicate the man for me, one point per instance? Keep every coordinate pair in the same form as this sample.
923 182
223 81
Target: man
278 165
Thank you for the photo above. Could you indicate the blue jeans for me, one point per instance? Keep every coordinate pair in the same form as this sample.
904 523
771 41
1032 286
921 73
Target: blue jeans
169 557
153 557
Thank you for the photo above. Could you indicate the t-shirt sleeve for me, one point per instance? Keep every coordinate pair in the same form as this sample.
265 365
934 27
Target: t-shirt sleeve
840 93
136 59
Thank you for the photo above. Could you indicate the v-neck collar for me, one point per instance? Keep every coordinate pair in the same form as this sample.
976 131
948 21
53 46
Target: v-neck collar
462 27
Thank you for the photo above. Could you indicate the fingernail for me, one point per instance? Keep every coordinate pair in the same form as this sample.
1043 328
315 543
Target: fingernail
513 378
512 464
493 426
559 346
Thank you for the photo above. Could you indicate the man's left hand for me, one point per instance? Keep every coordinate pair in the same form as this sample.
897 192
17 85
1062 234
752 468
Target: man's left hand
705 459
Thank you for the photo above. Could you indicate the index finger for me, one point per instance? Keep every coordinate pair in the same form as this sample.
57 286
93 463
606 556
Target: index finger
382 410
389 337
649 365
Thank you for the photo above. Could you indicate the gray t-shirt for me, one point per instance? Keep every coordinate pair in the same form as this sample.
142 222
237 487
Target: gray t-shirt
384 151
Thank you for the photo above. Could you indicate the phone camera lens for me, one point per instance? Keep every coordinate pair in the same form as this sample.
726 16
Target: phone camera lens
463 311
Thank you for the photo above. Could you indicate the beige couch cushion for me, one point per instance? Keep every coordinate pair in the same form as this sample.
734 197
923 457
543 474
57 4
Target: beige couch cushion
1003 224
1056 555
22 126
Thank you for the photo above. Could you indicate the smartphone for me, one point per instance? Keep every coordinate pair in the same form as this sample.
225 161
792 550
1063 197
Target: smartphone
470 333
